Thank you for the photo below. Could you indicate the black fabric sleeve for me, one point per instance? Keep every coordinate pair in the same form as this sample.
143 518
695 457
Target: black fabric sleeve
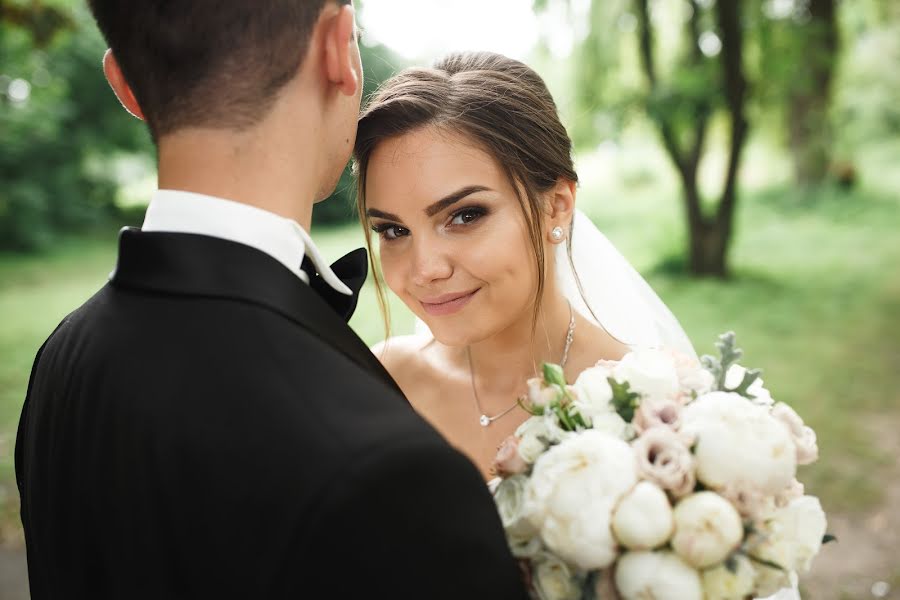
413 521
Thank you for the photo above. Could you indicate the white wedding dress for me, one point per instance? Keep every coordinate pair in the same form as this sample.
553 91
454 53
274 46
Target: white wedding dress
613 295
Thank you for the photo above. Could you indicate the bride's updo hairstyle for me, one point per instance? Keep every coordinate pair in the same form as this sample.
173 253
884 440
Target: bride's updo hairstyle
500 104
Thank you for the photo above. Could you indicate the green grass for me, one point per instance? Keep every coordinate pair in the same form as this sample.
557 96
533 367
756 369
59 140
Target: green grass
815 300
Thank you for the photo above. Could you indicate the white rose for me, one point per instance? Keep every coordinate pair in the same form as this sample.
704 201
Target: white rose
720 583
510 499
693 379
707 529
536 433
735 375
572 491
540 394
804 437
530 448
553 580
657 575
643 520
793 536
593 393
739 445
651 373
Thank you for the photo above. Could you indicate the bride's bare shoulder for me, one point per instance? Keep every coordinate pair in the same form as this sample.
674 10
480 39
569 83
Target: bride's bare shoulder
404 356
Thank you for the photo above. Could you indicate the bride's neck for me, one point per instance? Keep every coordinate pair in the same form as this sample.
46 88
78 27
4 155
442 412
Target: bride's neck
509 357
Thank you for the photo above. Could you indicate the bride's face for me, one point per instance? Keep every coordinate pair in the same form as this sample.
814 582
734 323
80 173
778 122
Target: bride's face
454 242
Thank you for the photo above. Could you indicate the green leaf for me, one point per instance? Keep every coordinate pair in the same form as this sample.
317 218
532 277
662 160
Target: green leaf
553 374
729 355
767 563
565 421
829 538
623 400
731 564
534 411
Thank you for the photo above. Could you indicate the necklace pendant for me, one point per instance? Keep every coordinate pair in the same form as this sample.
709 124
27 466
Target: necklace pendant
484 420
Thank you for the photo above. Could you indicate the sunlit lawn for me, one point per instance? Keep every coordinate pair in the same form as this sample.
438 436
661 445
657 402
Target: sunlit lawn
815 300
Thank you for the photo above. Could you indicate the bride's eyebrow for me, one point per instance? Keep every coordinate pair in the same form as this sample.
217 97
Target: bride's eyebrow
453 198
372 212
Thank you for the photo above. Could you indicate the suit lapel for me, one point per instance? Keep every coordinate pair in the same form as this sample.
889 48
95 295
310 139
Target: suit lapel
198 265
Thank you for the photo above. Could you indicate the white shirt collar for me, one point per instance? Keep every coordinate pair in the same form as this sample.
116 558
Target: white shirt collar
282 239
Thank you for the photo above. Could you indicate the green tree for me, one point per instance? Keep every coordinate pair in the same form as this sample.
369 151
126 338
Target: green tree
798 43
59 125
682 87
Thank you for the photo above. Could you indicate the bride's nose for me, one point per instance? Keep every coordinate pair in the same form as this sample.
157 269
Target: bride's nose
429 263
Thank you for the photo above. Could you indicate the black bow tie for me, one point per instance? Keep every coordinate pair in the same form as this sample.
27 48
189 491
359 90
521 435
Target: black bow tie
352 269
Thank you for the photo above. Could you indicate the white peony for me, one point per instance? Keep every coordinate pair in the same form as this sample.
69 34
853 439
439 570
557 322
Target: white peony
643 520
792 537
735 375
553 580
573 489
720 583
610 423
769 581
707 529
657 575
651 373
739 445
592 392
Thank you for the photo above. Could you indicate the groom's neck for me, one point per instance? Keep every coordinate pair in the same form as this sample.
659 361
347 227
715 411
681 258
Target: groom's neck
261 167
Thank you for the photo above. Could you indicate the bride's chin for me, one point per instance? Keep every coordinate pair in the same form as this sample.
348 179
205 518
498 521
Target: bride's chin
456 337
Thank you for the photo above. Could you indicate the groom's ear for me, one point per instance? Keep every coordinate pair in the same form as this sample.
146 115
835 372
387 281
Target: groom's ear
562 203
342 62
118 84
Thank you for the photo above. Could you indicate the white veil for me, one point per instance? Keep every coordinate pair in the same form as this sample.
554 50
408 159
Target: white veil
620 301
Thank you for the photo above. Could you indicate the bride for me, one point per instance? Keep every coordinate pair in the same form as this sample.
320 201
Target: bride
465 173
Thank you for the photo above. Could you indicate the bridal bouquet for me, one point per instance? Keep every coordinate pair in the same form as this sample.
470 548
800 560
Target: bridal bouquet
658 477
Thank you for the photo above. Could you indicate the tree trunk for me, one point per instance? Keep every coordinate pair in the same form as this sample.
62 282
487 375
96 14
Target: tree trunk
809 99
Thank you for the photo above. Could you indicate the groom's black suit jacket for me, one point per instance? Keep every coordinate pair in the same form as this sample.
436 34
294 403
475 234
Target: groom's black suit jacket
206 426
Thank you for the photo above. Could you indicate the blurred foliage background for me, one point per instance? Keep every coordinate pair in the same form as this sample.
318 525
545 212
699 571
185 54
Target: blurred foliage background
742 153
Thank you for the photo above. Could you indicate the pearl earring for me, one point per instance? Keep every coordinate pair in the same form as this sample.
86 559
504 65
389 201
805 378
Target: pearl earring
557 234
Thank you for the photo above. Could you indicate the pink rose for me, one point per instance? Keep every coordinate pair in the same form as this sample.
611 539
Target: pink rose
657 412
508 461
750 503
804 437
664 459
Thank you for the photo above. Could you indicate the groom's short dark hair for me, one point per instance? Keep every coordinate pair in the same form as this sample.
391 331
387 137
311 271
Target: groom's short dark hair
213 63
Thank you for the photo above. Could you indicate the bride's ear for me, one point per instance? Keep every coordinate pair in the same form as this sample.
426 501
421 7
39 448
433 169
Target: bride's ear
562 206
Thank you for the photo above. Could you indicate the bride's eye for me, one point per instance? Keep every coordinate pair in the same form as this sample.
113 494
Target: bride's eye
467 216
390 232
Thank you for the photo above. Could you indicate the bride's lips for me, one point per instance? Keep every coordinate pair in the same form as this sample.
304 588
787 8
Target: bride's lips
448 303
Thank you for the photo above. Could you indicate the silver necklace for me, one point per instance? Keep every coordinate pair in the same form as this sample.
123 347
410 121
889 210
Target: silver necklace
484 420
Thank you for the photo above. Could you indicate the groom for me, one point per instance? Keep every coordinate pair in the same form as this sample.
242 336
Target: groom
207 425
